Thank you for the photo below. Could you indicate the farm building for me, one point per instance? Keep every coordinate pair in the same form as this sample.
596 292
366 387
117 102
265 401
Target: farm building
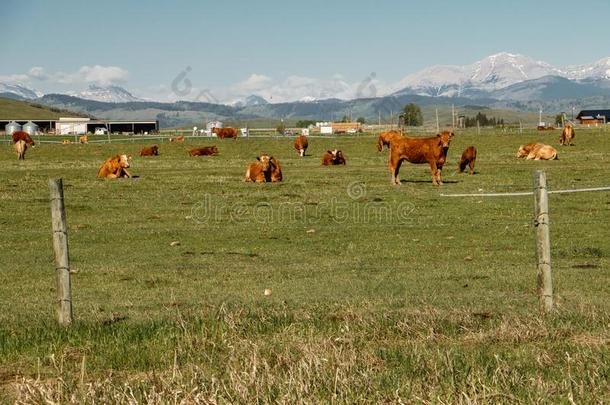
593 117
337 127
78 125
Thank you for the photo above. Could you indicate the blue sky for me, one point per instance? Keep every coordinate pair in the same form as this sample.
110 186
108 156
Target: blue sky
232 47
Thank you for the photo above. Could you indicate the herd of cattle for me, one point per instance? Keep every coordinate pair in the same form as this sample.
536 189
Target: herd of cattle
432 150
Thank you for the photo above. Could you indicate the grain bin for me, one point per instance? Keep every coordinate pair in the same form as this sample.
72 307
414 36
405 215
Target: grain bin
30 128
12 127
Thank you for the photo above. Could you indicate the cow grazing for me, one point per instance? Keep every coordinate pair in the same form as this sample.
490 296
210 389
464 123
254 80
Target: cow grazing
542 152
301 144
115 167
20 147
150 151
333 157
420 150
226 132
469 156
386 138
177 139
276 170
567 135
205 151
525 150
23 136
84 139
260 172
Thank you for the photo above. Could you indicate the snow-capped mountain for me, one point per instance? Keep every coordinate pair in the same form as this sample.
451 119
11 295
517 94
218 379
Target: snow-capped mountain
489 74
108 94
595 71
19 90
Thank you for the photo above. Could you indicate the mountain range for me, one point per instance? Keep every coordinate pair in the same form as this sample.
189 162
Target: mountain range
503 81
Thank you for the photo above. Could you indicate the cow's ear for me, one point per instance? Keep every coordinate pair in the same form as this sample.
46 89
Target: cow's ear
329 152
258 158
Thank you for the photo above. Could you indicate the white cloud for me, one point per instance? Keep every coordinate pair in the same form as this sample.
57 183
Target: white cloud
97 74
103 75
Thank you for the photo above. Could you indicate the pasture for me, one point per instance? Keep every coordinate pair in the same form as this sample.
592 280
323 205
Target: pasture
379 293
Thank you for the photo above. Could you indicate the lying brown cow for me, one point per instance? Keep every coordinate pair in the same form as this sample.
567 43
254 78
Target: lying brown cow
469 156
20 147
525 150
177 139
301 144
543 152
567 135
226 132
84 139
66 142
333 157
23 136
386 138
150 151
205 151
260 172
420 150
115 167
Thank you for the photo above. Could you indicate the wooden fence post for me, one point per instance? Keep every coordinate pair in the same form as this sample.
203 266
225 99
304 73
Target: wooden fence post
60 246
543 242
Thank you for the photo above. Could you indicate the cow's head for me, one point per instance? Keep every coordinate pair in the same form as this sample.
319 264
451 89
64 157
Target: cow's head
124 161
522 152
265 161
444 139
155 149
214 149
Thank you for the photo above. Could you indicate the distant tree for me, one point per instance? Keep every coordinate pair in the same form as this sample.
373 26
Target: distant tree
413 116
559 119
281 128
482 120
361 120
345 118
305 123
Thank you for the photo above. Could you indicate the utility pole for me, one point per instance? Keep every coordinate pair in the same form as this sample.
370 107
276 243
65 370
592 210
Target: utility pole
438 128
453 116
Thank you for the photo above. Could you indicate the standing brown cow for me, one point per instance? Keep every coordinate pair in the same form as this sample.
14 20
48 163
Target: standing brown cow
567 135
301 144
20 147
226 132
23 136
386 138
420 150
150 151
205 151
469 156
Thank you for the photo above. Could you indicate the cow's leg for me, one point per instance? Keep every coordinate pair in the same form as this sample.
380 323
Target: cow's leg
433 170
125 173
394 169
471 166
439 170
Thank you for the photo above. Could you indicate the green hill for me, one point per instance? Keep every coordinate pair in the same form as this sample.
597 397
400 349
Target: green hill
21 110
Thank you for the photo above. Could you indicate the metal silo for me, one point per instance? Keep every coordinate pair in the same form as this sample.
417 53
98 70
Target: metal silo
12 127
30 128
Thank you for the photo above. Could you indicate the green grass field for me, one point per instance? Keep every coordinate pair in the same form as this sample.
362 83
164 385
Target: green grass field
379 293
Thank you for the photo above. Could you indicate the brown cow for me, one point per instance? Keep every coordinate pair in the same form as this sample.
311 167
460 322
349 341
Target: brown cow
177 139
543 152
150 151
115 167
567 135
276 170
205 151
386 137
260 172
301 144
84 139
420 150
469 156
333 157
20 147
66 142
226 132
524 150
23 136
